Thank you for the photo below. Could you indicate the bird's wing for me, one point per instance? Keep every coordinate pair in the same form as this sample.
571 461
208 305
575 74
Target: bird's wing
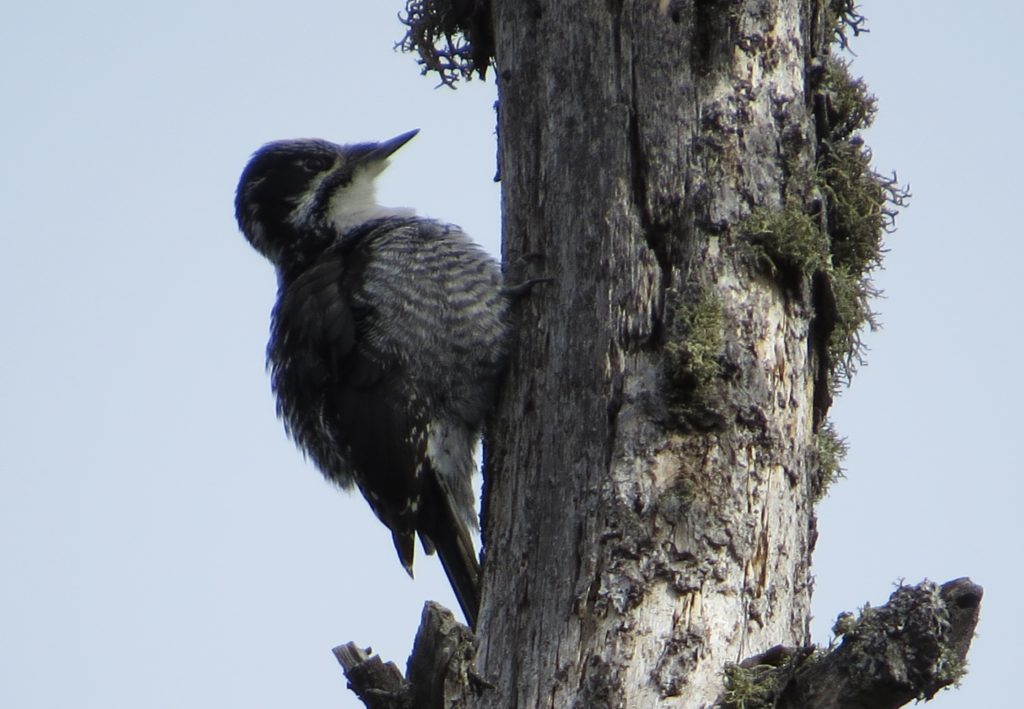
379 322
313 317
362 420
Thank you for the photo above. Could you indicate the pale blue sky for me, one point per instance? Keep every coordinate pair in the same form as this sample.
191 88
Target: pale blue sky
161 542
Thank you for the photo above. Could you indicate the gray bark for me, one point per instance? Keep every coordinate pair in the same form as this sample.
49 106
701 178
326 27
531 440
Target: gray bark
648 516
908 649
634 548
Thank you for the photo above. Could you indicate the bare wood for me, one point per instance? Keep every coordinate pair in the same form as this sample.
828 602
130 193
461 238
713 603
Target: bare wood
440 669
378 684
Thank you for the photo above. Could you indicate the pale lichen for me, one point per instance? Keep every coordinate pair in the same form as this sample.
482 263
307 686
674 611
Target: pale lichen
829 451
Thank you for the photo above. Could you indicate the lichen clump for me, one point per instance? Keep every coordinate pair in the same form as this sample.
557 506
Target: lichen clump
787 243
759 683
912 631
453 38
824 242
838 230
755 687
694 352
829 451
844 19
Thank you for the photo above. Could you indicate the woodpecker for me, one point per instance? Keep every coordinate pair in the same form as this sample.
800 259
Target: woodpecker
387 341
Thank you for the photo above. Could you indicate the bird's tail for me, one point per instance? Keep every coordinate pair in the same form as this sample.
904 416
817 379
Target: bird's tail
446 532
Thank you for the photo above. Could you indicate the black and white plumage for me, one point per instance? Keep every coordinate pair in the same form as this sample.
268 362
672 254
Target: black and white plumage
387 341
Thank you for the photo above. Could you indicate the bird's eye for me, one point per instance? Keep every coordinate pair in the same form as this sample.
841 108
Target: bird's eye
317 163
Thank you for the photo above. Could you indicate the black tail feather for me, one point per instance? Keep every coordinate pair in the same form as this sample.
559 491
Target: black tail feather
460 565
446 532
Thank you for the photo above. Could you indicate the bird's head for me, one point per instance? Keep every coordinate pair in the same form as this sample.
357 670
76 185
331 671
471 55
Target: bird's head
298 196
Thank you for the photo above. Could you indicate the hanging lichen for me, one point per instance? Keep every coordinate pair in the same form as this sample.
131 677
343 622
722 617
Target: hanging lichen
840 235
827 239
844 18
829 451
452 37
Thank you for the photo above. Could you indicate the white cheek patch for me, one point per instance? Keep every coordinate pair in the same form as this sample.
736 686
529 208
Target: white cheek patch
356 202
350 205
353 203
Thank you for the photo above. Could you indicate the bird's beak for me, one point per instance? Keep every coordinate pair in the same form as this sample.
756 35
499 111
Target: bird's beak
384 149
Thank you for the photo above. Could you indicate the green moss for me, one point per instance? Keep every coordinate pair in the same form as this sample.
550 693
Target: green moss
827 238
760 682
840 234
830 450
913 626
908 642
852 293
850 106
858 213
756 687
860 208
694 353
787 239
860 204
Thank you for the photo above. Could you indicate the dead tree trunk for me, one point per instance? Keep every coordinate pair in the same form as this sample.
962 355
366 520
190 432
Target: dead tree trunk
690 177
650 502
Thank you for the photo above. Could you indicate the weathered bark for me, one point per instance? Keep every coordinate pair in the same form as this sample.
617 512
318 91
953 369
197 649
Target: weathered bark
378 684
908 649
439 672
638 537
652 469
